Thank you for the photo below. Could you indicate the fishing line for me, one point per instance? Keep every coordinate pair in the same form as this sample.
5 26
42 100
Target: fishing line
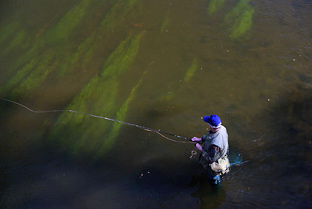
161 133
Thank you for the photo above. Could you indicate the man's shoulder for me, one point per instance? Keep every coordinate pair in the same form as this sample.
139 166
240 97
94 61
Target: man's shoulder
223 129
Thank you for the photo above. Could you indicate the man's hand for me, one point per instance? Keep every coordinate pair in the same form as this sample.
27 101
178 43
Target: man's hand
196 139
199 147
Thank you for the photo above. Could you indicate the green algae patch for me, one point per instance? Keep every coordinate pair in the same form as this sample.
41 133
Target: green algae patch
68 22
164 24
191 70
8 31
90 129
120 115
17 40
81 133
112 20
19 76
239 8
55 36
70 60
34 51
242 23
122 57
240 17
34 73
116 15
31 77
59 58
215 5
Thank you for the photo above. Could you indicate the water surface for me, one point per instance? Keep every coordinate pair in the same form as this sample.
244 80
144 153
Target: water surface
163 65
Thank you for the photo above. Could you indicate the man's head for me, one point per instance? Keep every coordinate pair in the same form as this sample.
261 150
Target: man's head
213 121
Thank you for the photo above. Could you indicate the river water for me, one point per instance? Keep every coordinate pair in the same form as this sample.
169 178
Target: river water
163 65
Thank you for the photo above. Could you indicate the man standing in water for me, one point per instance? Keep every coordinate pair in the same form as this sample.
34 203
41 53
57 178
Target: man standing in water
214 151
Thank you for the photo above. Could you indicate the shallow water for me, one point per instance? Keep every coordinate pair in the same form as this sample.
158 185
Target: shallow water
163 65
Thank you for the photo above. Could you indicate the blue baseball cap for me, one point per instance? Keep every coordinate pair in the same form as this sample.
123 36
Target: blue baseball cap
213 120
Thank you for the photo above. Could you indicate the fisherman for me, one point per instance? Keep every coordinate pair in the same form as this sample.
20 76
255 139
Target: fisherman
214 149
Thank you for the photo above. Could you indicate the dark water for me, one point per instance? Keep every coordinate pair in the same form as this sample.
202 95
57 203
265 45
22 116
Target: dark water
161 64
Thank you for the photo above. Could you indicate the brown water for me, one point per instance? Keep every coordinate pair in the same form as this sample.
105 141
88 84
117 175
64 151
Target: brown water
160 64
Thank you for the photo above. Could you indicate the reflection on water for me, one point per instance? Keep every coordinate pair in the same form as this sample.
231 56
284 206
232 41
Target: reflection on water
163 65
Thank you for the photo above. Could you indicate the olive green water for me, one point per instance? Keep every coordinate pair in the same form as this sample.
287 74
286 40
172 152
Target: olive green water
164 65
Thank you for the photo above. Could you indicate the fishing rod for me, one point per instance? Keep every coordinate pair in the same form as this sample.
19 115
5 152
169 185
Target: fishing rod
106 118
180 137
